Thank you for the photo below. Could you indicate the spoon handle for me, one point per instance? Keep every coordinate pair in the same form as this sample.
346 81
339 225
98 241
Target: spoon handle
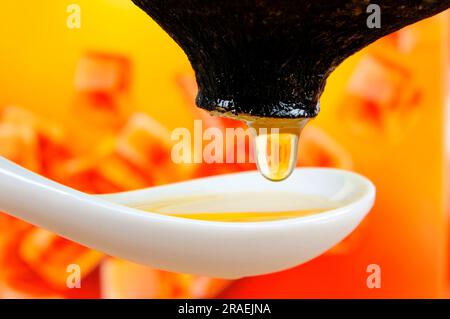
89 220
19 186
45 203
11 172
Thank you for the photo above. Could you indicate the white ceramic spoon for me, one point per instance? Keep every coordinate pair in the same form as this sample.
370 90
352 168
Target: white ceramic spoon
218 249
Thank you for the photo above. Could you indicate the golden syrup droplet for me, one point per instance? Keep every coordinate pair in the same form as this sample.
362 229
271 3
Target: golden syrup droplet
276 148
276 154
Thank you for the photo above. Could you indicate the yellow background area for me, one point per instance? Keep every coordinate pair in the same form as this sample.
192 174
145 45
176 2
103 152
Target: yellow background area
38 55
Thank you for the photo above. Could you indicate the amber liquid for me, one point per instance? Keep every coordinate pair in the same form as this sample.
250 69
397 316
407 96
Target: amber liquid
276 144
242 207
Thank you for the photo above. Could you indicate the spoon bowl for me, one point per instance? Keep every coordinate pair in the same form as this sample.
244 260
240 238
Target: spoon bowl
219 249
